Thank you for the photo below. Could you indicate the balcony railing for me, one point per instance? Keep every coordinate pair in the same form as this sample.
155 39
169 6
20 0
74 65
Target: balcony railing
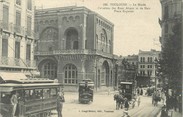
14 62
19 29
10 27
65 52
6 26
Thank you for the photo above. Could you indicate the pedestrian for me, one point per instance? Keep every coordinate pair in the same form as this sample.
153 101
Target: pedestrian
60 100
14 102
138 91
163 97
164 112
153 97
168 105
180 103
174 99
138 101
126 104
141 91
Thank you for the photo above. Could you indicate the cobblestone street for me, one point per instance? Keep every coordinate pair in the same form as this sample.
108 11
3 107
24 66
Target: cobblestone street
104 106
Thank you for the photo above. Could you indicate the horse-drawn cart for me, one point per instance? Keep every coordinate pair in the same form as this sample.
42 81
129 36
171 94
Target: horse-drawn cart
86 91
127 89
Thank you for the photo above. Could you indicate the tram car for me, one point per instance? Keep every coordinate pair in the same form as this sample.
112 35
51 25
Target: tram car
36 97
86 91
127 89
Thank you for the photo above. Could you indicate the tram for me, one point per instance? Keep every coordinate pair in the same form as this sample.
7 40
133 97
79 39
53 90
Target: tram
127 89
36 97
86 91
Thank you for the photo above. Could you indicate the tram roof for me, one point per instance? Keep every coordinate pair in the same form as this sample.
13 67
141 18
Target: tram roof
8 87
83 84
126 82
6 77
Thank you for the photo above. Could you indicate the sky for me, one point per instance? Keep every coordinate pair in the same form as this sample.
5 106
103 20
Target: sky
133 31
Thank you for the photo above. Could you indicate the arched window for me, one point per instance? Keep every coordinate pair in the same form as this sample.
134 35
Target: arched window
70 74
50 70
72 38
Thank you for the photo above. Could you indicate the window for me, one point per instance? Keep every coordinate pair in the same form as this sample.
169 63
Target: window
149 59
127 86
18 2
70 72
28 52
86 44
166 15
5 17
75 44
142 72
142 59
50 70
17 49
149 66
18 21
29 22
5 47
29 4
149 73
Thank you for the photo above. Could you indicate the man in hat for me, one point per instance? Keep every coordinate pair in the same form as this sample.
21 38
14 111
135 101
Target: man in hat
60 100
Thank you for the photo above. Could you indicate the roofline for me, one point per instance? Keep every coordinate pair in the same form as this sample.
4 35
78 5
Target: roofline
73 8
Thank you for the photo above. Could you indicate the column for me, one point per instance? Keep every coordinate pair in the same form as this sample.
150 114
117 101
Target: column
83 68
83 26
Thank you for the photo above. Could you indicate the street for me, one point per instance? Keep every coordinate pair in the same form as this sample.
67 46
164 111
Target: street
104 106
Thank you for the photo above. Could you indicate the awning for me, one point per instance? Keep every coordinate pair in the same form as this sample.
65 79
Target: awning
11 76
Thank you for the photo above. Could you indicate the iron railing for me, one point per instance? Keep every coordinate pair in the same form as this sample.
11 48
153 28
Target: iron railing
75 52
14 62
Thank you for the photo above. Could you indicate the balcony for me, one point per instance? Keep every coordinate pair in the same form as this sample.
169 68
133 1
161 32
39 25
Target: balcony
14 62
20 30
75 52
6 26
30 33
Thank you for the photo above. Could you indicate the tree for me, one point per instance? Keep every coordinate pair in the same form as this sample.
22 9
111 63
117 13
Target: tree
169 66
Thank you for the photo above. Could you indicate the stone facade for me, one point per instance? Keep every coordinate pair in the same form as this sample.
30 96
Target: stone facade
171 13
75 43
146 64
17 37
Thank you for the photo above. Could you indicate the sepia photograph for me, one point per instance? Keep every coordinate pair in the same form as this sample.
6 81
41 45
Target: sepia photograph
89 58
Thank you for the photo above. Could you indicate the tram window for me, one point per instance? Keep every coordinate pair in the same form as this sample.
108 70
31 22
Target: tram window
27 97
127 87
5 98
46 93
53 93
38 93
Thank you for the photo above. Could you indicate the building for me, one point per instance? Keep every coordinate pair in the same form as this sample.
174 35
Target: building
75 43
17 37
132 59
171 13
146 67
171 25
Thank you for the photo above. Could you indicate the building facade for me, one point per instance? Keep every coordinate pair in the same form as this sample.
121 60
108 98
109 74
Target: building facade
75 43
171 13
17 37
132 59
171 25
147 66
